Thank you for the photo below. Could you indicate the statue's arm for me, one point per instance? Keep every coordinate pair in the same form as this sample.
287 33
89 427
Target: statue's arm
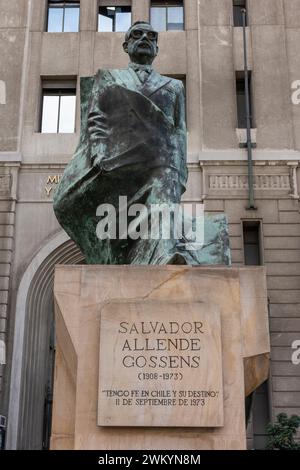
180 118
98 128
181 132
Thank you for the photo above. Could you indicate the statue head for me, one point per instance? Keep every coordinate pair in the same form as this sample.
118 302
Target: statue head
141 43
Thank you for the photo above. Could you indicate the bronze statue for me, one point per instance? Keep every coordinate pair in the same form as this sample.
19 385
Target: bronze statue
133 144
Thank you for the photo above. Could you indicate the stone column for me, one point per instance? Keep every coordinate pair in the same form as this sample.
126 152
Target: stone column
140 10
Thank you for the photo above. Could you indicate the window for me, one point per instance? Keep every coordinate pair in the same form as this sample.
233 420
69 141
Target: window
114 18
238 7
261 416
167 16
252 243
241 100
58 107
63 16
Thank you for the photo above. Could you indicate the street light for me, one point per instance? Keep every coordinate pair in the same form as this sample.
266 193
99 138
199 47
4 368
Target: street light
251 204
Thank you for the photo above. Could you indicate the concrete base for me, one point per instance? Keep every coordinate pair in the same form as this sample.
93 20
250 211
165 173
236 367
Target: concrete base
81 291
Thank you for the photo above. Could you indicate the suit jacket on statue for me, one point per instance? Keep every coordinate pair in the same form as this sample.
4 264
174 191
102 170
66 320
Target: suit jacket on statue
132 143
145 122
146 129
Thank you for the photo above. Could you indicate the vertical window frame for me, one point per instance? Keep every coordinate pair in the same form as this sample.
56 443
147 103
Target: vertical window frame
240 78
259 224
48 88
235 3
103 4
166 5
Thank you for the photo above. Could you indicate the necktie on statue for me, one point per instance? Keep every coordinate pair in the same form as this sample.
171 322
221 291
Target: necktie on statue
143 75
142 71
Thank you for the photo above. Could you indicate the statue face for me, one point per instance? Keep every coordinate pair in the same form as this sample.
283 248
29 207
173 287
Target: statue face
142 44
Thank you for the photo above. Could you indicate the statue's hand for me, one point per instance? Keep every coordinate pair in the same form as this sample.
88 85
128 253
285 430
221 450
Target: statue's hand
98 127
97 161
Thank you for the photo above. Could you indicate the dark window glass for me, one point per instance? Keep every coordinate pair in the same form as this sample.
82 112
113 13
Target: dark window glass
252 249
167 16
114 18
58 108
238 7
63 17
260 416
241 100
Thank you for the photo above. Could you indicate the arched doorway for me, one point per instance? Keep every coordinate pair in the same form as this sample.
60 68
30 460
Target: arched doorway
29 419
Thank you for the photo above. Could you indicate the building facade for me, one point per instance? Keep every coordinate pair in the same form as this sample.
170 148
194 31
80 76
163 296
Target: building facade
43 55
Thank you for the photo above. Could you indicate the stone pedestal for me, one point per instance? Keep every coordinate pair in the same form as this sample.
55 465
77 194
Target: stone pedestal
216 317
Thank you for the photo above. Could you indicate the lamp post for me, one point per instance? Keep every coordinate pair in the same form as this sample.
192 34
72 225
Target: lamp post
251 204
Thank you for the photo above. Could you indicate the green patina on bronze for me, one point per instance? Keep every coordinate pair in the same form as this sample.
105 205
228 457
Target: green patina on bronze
132 143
